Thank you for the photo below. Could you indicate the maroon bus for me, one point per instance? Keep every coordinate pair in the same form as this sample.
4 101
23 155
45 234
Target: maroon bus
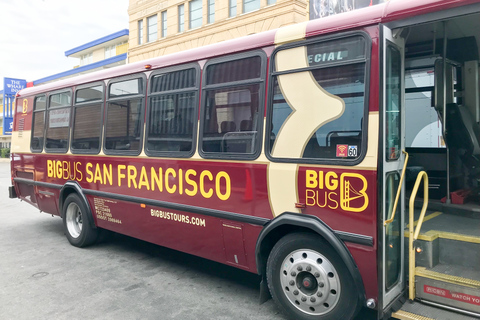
296 153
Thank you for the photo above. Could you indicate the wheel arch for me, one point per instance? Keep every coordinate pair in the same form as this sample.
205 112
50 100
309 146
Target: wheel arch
292 222
73 187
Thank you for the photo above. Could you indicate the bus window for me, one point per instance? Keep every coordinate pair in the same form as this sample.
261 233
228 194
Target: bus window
172 113
335 70
423 126
124 117
393 100
58 128
39 108
87 120
232 108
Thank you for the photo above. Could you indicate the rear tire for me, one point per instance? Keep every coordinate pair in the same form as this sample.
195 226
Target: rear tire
76 224
308 280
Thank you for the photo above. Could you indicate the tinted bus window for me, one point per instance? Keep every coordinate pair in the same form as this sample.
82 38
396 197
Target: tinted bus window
393 100
232 113
238 70
87 120
89 94
39 107
124 117
324 96
172 113
124 88
58 123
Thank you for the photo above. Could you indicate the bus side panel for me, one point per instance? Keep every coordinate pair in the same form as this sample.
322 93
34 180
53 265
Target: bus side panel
365 258
345 199
209 237
22 160
238 188
199 207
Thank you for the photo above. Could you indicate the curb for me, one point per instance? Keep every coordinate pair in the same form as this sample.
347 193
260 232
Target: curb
4 160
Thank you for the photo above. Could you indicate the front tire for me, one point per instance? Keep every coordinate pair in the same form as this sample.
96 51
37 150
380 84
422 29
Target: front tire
308 280
77 228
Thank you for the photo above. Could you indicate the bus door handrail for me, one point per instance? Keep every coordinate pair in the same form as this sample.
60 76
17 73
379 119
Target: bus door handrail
413 234
394 210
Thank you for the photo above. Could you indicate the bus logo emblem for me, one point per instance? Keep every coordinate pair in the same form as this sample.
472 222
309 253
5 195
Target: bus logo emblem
353 198
329 189
25 106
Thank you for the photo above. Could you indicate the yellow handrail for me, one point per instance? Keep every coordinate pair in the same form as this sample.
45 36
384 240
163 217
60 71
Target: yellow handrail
398 190
413 235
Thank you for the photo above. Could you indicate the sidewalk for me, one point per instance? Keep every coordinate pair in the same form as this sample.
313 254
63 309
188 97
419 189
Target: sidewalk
4 159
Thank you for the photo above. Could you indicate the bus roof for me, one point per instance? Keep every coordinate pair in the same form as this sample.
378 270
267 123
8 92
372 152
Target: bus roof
383 13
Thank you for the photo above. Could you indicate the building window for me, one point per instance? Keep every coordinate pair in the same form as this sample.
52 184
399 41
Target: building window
181 18
211 11
232 8
164 24
140 32
269 2
195 14
110 51
86 59
152 28
250 5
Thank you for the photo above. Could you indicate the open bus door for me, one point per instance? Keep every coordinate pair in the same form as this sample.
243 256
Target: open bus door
392 143
440 121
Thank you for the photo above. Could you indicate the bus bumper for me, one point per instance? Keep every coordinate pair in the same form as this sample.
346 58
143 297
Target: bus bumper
11 192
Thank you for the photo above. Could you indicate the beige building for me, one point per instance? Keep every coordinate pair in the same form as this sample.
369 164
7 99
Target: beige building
160 27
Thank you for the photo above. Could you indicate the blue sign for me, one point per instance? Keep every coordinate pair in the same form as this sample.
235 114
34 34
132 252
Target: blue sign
7 126
12 86
10 89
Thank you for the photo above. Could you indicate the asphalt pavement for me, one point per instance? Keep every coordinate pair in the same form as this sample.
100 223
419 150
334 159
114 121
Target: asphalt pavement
43 277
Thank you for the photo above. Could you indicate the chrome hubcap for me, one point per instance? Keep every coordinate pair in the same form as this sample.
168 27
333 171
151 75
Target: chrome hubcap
310 282
74 220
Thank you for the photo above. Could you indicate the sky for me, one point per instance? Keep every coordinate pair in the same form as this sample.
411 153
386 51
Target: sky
34 34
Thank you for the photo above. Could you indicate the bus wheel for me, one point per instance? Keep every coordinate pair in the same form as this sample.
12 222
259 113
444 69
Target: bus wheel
308 280
78 230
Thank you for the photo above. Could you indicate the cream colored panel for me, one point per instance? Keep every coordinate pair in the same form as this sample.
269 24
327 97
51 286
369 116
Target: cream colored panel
312 107
370 160
197 155
290 59
282 187
21 141
290 33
